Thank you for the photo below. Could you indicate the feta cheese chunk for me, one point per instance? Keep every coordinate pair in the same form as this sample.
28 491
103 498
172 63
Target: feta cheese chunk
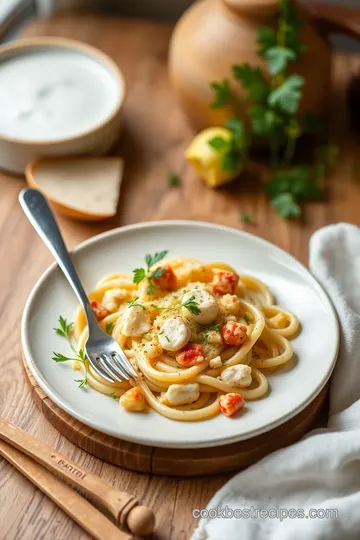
136 322
207 305
174 334
239 375
181 394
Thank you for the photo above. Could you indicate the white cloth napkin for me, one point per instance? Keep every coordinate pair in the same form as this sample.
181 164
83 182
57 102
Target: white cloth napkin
322 471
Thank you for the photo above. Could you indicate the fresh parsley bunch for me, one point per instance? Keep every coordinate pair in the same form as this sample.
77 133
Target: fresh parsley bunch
275 98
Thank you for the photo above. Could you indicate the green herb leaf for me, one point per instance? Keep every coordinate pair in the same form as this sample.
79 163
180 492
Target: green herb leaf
113 395
157 273
82 355
58 357
286 206
298 181
173 179
289 27
139 275
109 327
219 143
65 328
153 259
266 38
82 382
244 217
264 120
230 162
236 125
191 305
253 80
278 59
151 289
287 96
210 328
222 94
134 302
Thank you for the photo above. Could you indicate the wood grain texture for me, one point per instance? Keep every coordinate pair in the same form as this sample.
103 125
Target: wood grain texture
154 139
169 461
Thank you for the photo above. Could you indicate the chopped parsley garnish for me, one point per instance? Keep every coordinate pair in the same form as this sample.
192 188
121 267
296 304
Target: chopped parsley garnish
190 304
173 179
145 273
113 395
244 217
134 302
109 327
212 328
65 330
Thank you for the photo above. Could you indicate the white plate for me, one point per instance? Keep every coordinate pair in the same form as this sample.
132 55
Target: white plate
292 389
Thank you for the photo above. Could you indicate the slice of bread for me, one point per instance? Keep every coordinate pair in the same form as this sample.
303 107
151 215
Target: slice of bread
83 188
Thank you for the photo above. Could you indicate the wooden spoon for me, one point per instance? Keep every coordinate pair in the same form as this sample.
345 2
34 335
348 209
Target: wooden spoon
71 502
121 505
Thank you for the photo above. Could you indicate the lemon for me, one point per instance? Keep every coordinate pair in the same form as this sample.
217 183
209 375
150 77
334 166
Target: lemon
207 161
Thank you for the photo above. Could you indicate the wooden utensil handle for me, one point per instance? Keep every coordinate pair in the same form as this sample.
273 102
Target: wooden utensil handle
335 18
78 508
122 506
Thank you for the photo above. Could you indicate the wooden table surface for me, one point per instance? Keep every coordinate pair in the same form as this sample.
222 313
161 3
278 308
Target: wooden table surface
155 136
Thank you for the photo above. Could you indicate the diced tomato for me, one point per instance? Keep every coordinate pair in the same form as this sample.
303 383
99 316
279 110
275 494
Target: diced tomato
234 334
167 280
231 403
190 355
100 311
225 282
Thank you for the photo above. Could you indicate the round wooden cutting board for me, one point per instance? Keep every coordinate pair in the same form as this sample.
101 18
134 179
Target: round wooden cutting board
169 461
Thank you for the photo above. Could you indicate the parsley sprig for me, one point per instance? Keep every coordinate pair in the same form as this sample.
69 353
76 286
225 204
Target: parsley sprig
146 273
191 305
275 95
65 330
109 328
234 149
134 302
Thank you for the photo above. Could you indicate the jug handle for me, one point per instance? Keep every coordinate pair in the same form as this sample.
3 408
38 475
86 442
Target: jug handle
331 18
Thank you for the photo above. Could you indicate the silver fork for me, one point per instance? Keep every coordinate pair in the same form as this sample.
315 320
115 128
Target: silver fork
104 353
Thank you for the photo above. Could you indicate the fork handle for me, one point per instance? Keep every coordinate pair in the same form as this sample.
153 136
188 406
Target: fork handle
38 211
121 505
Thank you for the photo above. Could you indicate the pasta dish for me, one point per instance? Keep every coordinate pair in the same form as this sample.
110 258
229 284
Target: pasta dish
202 338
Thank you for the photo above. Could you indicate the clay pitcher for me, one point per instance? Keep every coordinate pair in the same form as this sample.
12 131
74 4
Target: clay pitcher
213 35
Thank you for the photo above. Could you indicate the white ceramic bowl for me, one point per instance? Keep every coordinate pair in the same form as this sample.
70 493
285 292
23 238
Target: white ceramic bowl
292 388
57 98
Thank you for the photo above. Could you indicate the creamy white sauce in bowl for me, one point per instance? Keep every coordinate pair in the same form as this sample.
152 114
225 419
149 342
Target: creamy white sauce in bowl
52 92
